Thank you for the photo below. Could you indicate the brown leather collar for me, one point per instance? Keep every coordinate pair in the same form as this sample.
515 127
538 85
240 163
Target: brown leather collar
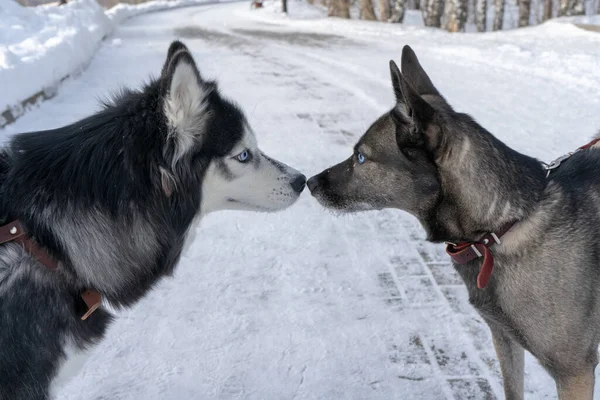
14 232
462 253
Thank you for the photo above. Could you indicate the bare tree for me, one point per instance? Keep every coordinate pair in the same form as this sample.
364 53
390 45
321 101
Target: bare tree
397 11
284 6
598 11
456 15
563 7
384 10
578 7
432 12
570 7
524 12
481 15
417 4
366 10
499 15
339 8
547 10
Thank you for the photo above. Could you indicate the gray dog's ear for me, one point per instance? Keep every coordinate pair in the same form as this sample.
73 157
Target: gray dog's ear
422 115
396 81
415 74
421 112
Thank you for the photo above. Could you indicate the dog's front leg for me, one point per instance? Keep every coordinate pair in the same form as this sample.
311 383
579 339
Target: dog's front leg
577 387
512 364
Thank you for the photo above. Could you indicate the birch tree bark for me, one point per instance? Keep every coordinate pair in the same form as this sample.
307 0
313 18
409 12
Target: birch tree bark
547 10
524 11
499 15
481 15
339 8
457 16
366 10
570 7
384 10
432 12
398 7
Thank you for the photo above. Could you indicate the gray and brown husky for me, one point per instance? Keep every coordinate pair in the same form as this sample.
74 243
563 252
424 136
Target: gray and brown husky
462 183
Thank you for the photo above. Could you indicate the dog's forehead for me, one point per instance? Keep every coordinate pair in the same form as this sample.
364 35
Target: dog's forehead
380 135
248 139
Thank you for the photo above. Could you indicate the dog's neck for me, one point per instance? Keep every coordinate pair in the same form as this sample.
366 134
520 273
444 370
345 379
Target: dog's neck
485 185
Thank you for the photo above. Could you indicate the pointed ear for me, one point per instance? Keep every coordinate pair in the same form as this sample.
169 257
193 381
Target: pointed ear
420 110
396 81
175 47
185 102
415 74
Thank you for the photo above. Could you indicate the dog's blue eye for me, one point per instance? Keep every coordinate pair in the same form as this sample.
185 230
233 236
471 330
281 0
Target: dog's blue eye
243 156
360 158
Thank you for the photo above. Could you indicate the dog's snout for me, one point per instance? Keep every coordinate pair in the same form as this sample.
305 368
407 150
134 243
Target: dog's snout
313 182
298 183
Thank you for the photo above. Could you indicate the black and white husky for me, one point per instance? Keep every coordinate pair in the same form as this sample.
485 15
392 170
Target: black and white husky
111 199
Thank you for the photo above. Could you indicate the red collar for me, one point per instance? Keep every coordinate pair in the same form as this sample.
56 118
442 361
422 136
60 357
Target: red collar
464 252
14 232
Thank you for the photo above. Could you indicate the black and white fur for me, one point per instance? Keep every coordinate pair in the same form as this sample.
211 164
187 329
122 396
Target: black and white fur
461 182
113 198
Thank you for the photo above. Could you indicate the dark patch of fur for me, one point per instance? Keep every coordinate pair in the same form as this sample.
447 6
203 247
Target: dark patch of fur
106 164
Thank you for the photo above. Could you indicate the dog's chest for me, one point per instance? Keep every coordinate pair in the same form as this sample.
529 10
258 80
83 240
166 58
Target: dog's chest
488 301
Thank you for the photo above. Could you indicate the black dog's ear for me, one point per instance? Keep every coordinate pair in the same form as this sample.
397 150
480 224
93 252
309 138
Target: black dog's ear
396 81
175 47
185 104
415 74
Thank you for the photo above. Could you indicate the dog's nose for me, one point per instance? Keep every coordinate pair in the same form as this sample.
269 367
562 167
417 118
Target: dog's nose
313 183
298 183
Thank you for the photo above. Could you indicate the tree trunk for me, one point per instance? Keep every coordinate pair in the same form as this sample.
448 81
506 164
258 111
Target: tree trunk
457 16
384 10
366 10
284 6
432 12
524 11
547 10
570 7
498 15
339 8
481 15
598 11
563 7
398 11
577 7
418 5
62 2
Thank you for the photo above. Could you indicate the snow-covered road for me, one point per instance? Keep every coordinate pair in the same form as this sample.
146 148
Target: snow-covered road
304 304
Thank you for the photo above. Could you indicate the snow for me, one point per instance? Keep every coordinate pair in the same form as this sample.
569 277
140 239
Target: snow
39 46
305 304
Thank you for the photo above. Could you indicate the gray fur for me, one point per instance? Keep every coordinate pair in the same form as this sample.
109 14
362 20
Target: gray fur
461 182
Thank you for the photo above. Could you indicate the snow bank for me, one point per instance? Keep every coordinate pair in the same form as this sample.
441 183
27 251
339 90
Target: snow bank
40 46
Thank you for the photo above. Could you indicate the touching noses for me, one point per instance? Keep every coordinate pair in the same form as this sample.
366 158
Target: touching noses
298 183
